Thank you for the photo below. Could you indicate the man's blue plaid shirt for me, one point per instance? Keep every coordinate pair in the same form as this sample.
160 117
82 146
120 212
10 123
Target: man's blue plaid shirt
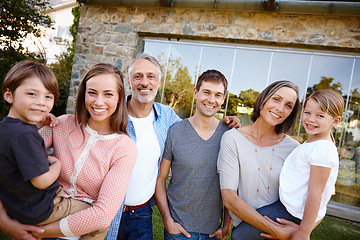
164 118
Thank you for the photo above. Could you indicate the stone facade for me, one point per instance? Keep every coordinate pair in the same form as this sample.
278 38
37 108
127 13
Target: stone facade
112 34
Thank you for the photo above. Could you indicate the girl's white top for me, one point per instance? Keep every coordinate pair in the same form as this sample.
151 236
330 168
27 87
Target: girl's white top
295 174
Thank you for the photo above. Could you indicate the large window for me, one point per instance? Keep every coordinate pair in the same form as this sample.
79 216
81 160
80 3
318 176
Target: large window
249 69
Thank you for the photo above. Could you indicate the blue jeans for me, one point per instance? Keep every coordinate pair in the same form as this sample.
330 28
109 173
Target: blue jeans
180 236
136 224
245 231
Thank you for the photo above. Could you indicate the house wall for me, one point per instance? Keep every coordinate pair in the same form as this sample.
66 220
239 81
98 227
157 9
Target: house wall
112 34
62 18
47 44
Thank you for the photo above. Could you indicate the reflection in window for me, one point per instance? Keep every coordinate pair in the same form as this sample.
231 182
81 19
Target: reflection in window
249 69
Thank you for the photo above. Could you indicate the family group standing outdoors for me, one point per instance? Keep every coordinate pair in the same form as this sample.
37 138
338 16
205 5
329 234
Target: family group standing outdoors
117 152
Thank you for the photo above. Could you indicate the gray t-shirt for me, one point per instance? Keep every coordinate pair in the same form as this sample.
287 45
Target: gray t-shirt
194 191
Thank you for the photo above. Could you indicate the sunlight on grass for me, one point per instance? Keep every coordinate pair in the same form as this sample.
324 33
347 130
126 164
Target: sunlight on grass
331 228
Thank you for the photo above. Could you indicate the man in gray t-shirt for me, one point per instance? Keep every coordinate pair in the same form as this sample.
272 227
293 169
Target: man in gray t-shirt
192 205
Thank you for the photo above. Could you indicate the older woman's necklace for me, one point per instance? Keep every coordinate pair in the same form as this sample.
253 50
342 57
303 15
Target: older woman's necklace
265 172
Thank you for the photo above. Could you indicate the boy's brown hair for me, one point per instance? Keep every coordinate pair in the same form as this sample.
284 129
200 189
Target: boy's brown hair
26 69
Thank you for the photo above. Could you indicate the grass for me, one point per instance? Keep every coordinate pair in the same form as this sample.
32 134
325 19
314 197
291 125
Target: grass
336 228
331 228
3 236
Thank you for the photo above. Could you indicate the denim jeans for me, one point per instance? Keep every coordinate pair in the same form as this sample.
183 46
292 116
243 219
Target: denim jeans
136 224
245 231
180 236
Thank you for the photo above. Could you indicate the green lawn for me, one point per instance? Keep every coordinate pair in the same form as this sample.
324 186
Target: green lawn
331 228
3 236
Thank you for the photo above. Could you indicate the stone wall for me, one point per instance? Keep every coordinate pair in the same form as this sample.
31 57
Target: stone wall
112 34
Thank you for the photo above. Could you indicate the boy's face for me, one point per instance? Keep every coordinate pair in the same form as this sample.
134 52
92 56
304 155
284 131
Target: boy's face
30 102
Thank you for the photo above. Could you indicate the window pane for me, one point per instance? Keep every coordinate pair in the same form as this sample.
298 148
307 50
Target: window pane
348 182
220 58
331 72
249 79
249 69
291 66
179 62
217 57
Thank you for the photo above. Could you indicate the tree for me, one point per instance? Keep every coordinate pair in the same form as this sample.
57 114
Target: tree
178 90
62 70
325 83
63 67
245 99
354 105
18 19
233 104
248 97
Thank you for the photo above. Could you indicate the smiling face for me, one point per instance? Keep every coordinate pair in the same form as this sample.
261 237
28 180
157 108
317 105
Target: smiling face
30 102
279 106
209 98
316 122
144 80
101 99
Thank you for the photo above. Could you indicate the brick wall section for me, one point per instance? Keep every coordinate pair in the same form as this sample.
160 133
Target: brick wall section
112 34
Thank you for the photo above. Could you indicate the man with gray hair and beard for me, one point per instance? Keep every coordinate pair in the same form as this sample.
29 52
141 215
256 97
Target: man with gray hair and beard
148 125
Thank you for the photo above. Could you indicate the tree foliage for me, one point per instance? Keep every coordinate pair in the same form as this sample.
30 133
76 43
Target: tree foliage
246 99
233 103
325 83
63 67
62 70
18 19
178 89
